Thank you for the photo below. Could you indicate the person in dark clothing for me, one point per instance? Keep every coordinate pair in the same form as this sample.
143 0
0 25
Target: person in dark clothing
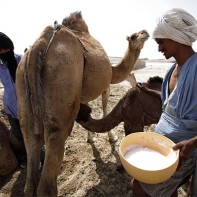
8 65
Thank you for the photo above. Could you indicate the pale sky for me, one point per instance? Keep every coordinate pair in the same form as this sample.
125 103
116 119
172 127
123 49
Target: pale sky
109 21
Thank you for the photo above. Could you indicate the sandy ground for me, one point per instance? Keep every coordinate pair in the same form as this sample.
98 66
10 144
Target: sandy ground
90 170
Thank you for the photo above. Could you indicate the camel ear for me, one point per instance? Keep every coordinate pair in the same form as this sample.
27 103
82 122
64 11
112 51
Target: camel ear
78 14
128 38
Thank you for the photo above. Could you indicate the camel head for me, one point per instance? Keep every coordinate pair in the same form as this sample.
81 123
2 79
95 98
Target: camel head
155 83
75 22
137 40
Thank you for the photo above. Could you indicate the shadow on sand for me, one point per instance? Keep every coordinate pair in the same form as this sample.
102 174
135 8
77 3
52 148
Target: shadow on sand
114 171
18 187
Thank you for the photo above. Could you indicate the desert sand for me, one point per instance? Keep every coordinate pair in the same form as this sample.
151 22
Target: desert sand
91 170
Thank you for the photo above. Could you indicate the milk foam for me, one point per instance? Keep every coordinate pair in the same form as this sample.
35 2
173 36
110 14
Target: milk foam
148 159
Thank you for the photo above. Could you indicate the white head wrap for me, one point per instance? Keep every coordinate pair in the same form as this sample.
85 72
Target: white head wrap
177 25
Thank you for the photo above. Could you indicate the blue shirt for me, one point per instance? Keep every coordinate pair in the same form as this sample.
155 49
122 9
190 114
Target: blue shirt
179 117
9 95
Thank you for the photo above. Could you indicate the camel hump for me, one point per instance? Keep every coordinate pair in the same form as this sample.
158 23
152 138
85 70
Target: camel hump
76 22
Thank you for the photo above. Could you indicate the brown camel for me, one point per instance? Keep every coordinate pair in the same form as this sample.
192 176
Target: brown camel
136 109
8 147
54 76
121 71
49 87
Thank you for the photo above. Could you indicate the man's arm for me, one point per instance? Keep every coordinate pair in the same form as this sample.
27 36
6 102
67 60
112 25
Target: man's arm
144 87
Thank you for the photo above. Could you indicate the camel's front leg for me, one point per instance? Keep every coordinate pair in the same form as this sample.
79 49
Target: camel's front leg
132 80
105 98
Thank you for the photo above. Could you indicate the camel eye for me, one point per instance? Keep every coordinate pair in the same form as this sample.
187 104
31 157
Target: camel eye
133 37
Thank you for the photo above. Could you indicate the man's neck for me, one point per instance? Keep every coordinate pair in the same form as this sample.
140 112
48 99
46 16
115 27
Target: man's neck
183 55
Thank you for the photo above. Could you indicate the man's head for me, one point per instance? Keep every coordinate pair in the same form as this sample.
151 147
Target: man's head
7 54
6 47
177 25
5 42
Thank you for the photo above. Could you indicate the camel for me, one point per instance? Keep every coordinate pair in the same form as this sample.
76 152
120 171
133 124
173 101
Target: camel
54 76
136 109
122 70
8 147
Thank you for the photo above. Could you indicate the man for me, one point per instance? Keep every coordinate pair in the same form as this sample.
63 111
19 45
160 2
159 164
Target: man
175 32
8 65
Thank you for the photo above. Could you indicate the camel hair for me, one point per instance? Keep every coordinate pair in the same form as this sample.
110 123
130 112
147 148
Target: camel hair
120 71
137 108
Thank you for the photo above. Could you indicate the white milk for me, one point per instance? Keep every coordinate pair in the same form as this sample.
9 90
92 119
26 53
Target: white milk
146 158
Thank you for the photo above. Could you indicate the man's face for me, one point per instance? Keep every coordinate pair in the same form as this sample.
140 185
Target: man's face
4 50
6 54
167 47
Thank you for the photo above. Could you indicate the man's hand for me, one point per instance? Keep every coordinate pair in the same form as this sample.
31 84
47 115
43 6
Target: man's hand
145 87
186 148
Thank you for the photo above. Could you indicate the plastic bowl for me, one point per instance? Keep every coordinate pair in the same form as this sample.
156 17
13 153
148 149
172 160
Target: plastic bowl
140 168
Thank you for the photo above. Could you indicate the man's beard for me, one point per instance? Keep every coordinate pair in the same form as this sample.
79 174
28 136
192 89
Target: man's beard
9 59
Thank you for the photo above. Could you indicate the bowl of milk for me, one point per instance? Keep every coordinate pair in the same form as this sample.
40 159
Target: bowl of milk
148 157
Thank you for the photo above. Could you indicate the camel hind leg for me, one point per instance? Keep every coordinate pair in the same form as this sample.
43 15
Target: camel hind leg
33 174
55 138
33 144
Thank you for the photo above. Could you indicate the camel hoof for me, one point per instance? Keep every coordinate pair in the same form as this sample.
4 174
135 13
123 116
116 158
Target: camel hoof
113 138
91 139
